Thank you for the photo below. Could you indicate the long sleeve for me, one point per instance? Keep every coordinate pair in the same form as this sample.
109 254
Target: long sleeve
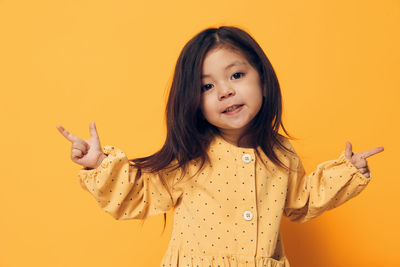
332 183
125 192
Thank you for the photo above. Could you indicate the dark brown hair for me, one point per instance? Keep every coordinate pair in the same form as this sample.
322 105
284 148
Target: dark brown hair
188 133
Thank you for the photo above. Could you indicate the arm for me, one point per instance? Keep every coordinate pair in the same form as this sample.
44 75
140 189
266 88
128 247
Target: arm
333 183
125 192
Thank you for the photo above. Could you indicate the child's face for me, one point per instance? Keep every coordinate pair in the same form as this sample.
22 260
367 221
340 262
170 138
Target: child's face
224 87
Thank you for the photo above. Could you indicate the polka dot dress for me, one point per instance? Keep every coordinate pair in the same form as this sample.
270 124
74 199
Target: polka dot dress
229 213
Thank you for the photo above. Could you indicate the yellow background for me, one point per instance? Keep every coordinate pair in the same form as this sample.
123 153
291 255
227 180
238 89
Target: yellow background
72 62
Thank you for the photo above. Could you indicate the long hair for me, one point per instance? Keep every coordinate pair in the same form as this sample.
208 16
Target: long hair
188 133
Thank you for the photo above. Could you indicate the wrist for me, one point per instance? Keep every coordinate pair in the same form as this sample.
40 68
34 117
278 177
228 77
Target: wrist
100 160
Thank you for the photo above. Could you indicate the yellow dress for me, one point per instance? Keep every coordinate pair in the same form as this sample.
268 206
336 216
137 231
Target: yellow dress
229 214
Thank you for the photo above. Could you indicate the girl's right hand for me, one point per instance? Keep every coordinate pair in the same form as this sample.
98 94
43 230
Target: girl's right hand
87 153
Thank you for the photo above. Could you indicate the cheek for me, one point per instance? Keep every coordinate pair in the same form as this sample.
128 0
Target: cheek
258 99
206 105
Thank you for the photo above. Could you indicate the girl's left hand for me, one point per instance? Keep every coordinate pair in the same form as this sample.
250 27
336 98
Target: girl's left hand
359 160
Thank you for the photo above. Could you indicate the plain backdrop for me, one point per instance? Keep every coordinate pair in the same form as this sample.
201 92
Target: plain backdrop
73 62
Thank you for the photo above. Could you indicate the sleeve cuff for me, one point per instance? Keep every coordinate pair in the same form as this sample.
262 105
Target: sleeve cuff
353 170
112 154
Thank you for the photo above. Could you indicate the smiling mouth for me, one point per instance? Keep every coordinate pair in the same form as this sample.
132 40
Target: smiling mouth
232 108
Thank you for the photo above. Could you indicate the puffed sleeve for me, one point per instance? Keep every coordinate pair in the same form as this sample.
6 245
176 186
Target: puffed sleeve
125 192
330 185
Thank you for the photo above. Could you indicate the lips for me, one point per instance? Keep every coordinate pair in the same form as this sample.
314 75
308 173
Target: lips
232 108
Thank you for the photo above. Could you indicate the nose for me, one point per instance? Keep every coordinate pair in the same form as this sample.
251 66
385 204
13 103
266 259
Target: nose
225 92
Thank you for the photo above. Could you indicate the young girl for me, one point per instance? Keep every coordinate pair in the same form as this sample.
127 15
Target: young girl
224 169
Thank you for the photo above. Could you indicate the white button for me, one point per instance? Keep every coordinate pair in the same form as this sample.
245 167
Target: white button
246 158
248 215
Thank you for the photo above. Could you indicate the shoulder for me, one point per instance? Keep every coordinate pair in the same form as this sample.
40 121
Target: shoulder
286 150
285 144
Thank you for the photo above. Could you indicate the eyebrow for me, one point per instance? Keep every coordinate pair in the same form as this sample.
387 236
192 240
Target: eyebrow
227 67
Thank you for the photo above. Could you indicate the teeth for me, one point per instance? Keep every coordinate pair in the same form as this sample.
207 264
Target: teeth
232 108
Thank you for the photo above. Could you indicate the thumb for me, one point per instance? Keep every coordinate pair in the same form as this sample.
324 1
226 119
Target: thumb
93 130
348 153
93 133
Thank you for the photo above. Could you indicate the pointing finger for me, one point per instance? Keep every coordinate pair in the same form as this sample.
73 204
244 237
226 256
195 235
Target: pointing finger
371 152
72 138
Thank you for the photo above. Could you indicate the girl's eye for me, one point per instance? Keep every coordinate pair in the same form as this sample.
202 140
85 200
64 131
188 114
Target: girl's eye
239 73
206 87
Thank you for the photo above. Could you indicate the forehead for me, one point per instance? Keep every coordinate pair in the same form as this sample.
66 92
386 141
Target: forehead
222 59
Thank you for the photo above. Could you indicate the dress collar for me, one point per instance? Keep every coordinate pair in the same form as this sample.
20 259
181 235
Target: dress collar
218 141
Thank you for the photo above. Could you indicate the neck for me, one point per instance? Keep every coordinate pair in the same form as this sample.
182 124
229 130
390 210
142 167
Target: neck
232 137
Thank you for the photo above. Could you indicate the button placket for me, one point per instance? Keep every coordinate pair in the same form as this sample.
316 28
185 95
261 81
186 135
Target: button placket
248 213
249 179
